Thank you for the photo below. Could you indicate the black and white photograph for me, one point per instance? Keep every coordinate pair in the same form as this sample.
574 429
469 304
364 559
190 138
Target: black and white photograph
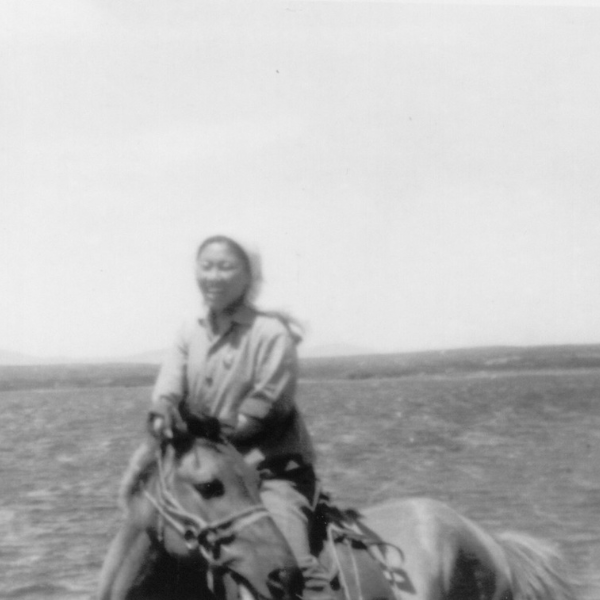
299 300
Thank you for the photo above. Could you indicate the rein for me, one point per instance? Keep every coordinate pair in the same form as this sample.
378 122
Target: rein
199 534
390 566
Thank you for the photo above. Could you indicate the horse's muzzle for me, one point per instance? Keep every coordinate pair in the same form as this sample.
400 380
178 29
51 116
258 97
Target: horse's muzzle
286 583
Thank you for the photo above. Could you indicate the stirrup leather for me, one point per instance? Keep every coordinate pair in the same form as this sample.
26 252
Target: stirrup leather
388 557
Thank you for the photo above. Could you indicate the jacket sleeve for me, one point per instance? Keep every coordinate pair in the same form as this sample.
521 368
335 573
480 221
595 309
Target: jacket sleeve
171 385
271 396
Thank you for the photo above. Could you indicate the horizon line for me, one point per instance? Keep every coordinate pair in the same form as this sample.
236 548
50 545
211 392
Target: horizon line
321 351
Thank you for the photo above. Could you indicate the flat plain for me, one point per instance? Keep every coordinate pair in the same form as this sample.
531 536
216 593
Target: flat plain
513 448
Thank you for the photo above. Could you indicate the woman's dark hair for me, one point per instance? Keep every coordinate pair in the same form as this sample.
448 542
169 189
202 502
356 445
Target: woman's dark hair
232 245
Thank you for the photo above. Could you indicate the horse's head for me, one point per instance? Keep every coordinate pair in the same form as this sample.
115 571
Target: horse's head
208 507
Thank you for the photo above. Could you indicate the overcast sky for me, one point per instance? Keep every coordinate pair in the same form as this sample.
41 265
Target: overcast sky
416 176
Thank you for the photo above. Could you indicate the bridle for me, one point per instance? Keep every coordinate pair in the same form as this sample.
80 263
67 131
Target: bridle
199 534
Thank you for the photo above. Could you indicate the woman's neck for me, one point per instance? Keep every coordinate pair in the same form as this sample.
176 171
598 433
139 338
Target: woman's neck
220 320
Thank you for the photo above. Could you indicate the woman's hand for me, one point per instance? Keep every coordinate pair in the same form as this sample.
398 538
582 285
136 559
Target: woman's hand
160 427
247 430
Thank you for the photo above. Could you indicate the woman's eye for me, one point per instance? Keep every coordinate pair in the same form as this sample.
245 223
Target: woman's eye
210 489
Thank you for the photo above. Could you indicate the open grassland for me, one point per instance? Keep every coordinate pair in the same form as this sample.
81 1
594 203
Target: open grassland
514 450
76 376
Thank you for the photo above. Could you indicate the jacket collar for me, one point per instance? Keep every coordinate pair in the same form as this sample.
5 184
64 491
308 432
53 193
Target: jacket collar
243 315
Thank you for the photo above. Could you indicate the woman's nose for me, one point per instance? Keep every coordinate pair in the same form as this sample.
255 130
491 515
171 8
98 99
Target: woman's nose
211 275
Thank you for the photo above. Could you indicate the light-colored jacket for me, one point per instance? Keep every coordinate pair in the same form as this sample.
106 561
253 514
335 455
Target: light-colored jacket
251 369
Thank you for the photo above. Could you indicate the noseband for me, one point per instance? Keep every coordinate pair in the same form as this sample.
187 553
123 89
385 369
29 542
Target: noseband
198 533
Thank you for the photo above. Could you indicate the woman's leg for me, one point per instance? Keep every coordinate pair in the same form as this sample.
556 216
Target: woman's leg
291 512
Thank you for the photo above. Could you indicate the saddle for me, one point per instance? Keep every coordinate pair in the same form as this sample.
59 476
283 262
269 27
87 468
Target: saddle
360 563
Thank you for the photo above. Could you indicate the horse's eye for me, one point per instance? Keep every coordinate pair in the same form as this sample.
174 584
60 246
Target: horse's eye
210 489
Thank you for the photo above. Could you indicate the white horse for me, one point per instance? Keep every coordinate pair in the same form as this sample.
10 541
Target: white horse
446 556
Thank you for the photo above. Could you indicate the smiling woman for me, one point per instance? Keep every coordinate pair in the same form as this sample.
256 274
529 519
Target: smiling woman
238 364
227 275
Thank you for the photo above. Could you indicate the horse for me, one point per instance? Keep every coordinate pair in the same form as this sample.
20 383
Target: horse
428 551
196 528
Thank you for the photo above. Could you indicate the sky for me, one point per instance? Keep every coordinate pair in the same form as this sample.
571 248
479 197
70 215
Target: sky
416 176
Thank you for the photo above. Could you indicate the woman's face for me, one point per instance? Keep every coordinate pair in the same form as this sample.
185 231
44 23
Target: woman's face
222 276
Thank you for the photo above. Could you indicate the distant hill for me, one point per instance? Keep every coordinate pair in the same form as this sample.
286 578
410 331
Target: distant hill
13 358
152 358
447 362
16 358
333 350
155 357
137 372
69 376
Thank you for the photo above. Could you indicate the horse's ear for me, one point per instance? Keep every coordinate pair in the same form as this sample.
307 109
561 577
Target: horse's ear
204 427
212 428
200 426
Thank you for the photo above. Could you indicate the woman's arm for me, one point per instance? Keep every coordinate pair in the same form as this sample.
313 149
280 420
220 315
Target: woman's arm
271 397
170 387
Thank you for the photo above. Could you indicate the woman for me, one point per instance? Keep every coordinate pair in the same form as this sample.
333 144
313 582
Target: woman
239 364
